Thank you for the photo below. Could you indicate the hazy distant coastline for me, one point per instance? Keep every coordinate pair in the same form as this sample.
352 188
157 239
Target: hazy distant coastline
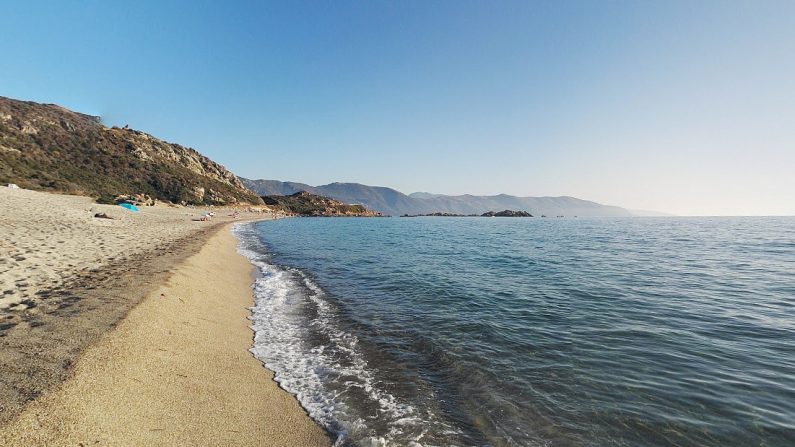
395 203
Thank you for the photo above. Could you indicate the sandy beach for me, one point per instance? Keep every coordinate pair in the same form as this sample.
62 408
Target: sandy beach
130 331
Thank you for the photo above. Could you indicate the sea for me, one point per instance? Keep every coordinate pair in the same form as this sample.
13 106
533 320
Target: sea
439 331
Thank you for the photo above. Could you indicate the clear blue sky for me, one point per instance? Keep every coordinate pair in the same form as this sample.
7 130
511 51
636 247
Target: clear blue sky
685 107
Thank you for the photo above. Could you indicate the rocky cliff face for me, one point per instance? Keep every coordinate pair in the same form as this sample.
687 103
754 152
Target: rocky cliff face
44 146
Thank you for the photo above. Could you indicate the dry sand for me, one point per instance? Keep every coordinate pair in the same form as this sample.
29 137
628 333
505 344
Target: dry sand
48 238
175 371
68 277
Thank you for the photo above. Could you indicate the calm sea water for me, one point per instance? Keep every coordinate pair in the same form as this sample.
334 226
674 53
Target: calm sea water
559 332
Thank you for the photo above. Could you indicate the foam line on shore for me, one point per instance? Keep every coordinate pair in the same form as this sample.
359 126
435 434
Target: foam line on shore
298 335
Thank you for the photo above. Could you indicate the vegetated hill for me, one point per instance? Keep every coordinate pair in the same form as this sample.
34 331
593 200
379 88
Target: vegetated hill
424 195
391 202
303 203
384 200
47 147
275 187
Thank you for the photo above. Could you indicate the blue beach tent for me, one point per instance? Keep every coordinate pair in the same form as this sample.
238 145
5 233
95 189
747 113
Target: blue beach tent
129 206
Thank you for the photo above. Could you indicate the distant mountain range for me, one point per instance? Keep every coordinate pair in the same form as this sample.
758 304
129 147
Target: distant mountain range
391 202
47 147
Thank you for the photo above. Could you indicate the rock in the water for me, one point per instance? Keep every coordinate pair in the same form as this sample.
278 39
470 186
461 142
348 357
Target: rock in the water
507 213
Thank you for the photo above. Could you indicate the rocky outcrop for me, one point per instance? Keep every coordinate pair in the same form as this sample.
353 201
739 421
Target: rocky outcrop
47 147
439 215
136 199
304 203
507 213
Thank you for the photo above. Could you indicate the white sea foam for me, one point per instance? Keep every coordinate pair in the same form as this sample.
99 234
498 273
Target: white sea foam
321 376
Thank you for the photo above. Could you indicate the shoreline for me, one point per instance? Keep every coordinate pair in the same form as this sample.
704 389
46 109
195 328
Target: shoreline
91 351
175 370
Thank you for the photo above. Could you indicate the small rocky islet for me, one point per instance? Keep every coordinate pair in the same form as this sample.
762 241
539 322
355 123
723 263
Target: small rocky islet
504 213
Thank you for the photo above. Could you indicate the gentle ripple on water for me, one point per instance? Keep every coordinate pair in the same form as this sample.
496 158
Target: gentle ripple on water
581 332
